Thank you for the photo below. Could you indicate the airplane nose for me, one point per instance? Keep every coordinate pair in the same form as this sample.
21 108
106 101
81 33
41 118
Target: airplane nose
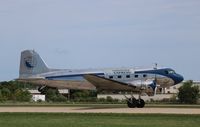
179 78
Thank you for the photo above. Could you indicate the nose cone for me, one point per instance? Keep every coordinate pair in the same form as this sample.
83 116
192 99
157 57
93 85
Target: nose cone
178 78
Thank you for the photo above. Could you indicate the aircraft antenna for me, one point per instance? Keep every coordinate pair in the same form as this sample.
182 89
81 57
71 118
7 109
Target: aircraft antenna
156 66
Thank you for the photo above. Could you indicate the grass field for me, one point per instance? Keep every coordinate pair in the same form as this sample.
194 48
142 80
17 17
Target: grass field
96 120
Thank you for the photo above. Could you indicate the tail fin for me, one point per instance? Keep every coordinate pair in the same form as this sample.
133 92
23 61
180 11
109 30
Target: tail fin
31 64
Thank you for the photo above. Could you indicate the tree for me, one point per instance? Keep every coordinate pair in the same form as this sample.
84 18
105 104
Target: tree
22 95
83 95
188 93
13 91
52 94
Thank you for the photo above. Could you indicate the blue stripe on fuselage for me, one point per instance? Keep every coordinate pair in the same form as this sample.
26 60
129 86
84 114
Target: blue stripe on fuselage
156 71
164 72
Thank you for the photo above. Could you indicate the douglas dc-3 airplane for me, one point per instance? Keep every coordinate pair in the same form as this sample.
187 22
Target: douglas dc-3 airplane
34 70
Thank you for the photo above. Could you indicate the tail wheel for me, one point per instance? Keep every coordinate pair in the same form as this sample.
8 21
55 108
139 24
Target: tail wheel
132 103
140 103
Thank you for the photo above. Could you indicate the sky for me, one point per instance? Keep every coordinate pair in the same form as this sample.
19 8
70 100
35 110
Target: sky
78 34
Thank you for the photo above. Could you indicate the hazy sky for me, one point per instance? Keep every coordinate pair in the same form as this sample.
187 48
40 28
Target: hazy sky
101 33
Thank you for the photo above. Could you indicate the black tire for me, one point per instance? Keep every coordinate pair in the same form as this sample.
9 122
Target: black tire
132 103
140 103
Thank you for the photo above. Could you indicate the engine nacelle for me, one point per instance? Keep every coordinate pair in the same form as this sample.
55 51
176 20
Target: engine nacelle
149 88
149 91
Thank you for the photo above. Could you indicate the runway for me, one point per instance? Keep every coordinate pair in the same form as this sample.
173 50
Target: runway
102 110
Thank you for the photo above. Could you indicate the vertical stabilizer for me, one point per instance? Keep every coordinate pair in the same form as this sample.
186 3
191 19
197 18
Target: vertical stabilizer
31 64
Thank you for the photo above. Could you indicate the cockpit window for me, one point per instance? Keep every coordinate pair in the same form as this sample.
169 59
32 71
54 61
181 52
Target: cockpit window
170 72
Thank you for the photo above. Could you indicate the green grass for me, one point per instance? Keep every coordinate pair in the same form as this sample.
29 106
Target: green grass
96 120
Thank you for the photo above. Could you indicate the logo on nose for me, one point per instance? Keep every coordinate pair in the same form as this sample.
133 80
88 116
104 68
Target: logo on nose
30 62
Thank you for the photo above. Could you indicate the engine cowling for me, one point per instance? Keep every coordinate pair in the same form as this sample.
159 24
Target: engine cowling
151 88
149 91
147 86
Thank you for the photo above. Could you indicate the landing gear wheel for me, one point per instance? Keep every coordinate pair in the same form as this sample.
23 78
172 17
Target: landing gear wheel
132 103
140 103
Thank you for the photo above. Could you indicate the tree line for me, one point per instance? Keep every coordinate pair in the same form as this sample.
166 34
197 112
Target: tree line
15 91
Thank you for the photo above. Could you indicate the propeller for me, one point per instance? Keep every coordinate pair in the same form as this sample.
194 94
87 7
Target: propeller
153 84
155 79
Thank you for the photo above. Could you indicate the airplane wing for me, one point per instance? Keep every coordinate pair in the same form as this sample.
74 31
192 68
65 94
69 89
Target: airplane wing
60 84
102 83
93 82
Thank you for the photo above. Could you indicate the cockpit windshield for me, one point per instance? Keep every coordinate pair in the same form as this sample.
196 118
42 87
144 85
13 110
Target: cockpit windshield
170 72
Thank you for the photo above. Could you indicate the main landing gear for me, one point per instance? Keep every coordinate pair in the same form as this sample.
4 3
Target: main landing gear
133 102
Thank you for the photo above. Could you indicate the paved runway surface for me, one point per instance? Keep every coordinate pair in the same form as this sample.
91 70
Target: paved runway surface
101 110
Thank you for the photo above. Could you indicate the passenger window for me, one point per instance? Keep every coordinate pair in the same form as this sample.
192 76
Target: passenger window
110 77
144 75
119 76
127 76
136 76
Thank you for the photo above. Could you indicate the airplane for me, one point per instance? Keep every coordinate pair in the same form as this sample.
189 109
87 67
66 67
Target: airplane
34 70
